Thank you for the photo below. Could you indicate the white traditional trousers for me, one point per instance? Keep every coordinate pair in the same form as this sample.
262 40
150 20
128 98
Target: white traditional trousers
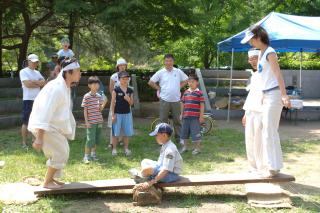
253 138
56 149
271 113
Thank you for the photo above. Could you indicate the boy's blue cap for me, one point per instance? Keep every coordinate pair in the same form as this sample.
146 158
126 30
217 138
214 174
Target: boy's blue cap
162 128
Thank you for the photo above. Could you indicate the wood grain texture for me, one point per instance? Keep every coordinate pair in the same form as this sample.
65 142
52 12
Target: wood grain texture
190 180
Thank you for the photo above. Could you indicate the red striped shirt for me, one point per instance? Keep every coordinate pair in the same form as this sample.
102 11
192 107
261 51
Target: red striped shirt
92 103
191 103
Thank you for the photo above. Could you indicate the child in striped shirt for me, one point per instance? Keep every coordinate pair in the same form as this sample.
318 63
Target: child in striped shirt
192 109
93 103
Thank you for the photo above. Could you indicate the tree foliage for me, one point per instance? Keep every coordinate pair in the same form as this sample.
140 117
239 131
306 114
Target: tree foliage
140 30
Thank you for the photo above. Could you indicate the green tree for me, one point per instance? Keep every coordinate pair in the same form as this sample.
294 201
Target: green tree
21 19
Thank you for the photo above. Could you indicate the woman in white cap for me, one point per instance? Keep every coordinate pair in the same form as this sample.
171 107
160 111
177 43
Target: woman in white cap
52 121
274 98
121 66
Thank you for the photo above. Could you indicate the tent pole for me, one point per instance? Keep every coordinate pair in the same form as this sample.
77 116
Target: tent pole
217 83
230 85
300 80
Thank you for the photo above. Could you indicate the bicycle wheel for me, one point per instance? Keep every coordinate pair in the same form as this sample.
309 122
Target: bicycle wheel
207 126
155 123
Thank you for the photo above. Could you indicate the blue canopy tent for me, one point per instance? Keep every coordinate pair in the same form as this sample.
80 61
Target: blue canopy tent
287 33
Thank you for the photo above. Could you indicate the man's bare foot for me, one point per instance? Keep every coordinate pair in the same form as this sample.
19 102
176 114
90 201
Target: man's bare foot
52 185
58 182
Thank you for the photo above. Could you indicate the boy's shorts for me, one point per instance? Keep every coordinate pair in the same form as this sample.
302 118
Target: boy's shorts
123 124
191 126
170 177
26 111
93 135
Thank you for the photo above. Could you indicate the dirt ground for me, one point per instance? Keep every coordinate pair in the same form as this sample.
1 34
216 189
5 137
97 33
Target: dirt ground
302 130
230 198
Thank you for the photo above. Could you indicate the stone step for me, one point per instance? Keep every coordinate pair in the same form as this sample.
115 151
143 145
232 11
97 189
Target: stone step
104 79
224 91
225 74
15 106
224 82
10 121
10 83
12 93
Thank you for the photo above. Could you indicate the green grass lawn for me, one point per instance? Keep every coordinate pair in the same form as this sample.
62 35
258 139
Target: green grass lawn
223 151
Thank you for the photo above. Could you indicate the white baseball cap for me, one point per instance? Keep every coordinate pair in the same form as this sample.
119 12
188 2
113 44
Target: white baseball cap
249 35
33 58
121 61
253 52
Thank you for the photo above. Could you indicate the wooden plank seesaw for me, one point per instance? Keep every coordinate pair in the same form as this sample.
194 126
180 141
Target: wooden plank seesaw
190 180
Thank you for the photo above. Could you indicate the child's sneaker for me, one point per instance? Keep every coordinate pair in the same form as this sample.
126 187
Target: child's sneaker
25 146
195 152
2 163
133 172
183 150
86 160
181 141
114 152
127 152
94 158
137 177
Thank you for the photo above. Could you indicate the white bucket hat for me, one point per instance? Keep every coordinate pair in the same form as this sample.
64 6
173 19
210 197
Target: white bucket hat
121 61
33 58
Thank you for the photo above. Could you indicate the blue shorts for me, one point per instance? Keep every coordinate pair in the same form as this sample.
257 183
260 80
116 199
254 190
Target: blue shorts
191 126
123 125
26 111
171 177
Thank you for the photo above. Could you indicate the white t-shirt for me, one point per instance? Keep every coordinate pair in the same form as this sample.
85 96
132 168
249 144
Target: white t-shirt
266 77
69 53
115 79
27 74
255 95
169 82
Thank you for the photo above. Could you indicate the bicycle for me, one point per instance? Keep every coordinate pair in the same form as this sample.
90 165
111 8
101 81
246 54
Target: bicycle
206 126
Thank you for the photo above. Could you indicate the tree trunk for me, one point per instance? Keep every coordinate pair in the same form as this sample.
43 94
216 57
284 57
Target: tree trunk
23 50
206 62
1 13
72 26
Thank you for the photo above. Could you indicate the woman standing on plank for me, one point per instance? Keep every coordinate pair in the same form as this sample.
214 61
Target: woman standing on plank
274 98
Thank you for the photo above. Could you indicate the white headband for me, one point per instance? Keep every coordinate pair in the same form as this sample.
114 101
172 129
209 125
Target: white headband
72 66
253 53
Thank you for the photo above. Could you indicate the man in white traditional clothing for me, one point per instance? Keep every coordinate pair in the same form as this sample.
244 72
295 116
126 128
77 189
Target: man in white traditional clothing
252 120
52 121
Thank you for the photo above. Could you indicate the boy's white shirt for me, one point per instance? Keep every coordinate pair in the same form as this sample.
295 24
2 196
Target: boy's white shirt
52 109
254 99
